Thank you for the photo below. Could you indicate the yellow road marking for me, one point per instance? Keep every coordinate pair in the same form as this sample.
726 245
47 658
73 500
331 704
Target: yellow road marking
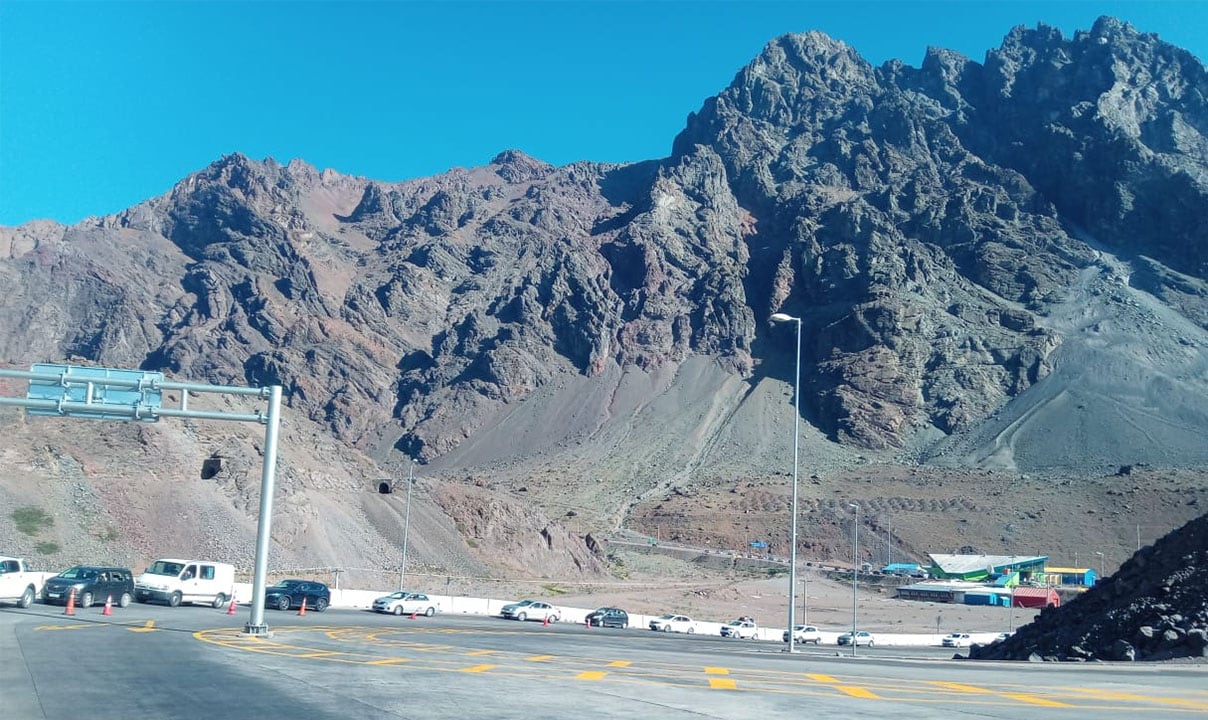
319 654
63 627
538 658
959 687
478 668
619 663
722 684
717 671
821 678
1114 695
388 661
856 691
1033 700
148 626
477 653
591 675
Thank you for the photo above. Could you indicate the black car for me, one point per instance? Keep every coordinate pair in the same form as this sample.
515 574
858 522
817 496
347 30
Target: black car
290 593
608 617
93 585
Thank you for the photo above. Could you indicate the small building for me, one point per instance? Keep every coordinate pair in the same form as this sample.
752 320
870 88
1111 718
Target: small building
979 568
1078 577
1035 597
931 591
902 569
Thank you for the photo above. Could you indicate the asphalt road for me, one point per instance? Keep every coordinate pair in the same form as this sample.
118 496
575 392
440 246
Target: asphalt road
194 662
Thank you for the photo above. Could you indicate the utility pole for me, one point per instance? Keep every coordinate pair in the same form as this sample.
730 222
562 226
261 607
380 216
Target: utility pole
402 568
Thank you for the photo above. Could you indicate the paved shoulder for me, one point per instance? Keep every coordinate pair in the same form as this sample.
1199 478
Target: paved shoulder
20 698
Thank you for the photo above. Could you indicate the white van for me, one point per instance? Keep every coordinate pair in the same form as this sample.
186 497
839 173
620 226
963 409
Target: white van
174 581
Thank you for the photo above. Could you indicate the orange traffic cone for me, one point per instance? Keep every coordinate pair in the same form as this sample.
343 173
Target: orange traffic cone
302 610
545 622
70 603
108 606
413 614
231 607
587 623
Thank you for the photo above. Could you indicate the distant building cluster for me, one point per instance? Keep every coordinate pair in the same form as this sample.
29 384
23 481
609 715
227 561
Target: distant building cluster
1003 580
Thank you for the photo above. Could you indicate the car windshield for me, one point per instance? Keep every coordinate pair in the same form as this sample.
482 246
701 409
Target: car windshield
396 596
666 617
161 567
74 573
288 583
522 603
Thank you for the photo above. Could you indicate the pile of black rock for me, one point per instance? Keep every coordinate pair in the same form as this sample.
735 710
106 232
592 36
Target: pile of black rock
1154 608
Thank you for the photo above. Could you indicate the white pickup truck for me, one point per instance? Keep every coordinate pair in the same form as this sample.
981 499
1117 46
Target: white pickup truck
17 583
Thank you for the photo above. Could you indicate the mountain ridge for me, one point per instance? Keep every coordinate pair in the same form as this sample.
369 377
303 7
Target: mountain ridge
997 265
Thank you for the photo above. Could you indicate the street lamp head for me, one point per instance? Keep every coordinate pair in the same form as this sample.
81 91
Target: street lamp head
783 318
853 506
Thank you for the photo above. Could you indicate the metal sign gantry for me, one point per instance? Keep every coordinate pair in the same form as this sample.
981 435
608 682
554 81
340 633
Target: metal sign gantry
98 393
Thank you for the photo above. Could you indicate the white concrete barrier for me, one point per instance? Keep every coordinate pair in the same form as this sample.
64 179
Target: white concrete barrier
452 604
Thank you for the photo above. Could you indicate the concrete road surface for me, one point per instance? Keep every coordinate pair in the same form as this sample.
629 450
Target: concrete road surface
190 662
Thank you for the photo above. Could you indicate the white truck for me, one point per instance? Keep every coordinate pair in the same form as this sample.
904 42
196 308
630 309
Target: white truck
18 584
173 581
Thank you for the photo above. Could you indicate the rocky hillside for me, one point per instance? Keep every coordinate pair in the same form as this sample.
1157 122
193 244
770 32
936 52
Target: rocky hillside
998 266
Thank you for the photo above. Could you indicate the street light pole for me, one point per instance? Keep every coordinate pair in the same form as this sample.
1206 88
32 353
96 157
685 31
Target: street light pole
1102 564
781 318
402 568
855 574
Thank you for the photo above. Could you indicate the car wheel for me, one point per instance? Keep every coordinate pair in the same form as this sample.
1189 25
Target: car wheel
666 628
124 600
321 604
27 598
174 599
691 630
430 612
521 617
86 600
283 602
398 609
219 601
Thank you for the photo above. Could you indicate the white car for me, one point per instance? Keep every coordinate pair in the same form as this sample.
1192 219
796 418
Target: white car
673 623
863 637
531 610
804 634
741 629
956 640
405 603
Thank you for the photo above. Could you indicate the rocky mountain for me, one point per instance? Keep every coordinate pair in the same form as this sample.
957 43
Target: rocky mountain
999 266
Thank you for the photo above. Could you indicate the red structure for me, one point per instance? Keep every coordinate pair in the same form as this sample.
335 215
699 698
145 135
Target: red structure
1034 597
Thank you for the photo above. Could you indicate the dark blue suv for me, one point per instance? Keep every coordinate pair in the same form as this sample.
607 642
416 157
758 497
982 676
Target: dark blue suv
608 617
290 594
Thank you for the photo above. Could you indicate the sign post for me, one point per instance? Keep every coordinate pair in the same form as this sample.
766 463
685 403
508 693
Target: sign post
99 393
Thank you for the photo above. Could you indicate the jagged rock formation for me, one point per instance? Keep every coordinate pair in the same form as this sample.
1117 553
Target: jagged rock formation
998 264
1152 609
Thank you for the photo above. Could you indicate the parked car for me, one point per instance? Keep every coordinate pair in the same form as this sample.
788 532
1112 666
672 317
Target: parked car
18 584
531 610
742 629
863 637
290 594
673 623
405 603
608 617
956 640
804 634
92 584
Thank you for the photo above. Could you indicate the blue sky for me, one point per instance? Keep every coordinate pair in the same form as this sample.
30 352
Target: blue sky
105 104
